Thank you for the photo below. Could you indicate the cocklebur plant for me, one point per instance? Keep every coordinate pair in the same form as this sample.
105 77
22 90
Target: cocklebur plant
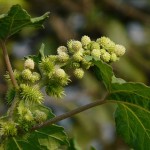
28 124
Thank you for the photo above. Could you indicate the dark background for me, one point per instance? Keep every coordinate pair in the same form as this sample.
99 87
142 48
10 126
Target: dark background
126 22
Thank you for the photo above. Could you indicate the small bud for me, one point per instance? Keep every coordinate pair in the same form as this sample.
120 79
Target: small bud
106 43
120 50
61 49
69 44
63 57
76 46
106 57
29 63
113 57
94 45
103 51
79 73
85 40
75 65
59 73
26 74
96 53
77 56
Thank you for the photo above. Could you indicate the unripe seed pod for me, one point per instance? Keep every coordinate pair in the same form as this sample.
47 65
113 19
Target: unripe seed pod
8 129
26 74
63 57
29 63
59 73
30 94
46 66
76 46
119 50
106 57
40 116
54 90
61 49
28 116
96 53
85 40
78 73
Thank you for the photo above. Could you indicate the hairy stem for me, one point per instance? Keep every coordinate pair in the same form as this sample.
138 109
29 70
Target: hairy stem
11 74
71 113
8 64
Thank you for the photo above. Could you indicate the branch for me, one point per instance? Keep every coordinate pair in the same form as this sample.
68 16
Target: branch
8 64
71 113
129 11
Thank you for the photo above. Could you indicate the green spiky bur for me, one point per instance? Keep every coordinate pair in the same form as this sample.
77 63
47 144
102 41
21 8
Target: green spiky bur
8 129
46 66
30 94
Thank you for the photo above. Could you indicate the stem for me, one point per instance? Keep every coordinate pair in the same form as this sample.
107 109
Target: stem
8 64
71 113
11 74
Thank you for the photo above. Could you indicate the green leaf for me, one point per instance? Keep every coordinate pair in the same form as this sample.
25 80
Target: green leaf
19 144
46 138
16 19
37 58
51 137
104 73
92 148
133 113
73 145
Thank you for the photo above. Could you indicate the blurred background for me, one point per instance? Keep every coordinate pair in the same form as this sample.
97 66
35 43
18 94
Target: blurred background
126 22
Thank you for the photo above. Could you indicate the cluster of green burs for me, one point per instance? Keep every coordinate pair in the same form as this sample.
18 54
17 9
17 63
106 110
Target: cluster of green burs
51 74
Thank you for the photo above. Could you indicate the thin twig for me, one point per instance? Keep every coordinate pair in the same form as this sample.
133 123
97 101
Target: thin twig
71 113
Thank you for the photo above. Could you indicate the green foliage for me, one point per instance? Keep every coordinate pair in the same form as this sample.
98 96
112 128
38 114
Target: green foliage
73 145
48 138
16 19
17 130
133 111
